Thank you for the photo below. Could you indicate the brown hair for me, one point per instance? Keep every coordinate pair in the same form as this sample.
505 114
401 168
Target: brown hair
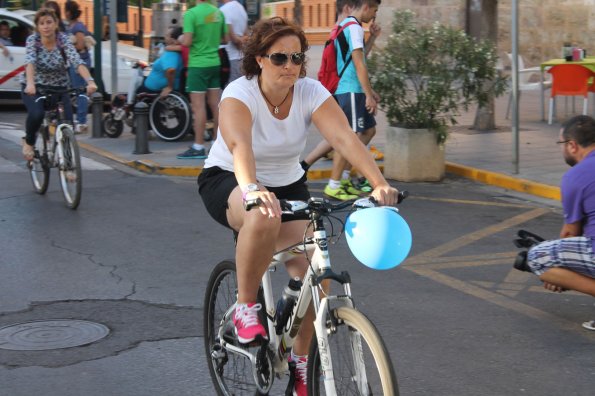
264 34
46 12
73 8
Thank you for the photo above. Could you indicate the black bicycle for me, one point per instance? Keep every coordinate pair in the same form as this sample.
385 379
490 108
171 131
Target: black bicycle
56 147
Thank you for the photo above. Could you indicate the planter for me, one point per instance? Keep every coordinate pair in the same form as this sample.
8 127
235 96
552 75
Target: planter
413 155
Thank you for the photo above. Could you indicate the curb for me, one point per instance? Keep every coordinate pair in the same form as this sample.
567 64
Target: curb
479 175
505 181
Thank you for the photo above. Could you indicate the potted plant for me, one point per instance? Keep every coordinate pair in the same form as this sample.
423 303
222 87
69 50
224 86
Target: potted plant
425 75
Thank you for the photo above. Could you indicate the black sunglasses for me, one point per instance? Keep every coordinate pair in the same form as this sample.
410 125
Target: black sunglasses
280 59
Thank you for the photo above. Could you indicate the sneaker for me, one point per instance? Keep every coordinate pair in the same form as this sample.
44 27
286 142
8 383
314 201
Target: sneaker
80 128
363 185
28 151
247 323
377 154
192 153
348 186
338 193
299 374
590 325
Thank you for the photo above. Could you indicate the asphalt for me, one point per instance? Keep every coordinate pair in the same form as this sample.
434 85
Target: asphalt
486 157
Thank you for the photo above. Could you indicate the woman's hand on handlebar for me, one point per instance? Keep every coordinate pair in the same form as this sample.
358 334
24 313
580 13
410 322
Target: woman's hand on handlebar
385 194
30 89
269 204
91 88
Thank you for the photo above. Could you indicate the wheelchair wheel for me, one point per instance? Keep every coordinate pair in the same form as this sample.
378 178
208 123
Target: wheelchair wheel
170 117
112 128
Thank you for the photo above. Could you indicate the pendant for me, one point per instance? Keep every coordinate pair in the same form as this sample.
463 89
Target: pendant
276 110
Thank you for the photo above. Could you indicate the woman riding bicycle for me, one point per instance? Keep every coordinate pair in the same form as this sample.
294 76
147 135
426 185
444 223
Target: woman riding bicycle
263 121
48 55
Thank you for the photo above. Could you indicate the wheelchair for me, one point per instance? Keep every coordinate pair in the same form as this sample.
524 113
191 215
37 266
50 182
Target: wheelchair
170 118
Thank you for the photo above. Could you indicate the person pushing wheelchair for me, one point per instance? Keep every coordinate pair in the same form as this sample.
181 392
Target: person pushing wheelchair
568 263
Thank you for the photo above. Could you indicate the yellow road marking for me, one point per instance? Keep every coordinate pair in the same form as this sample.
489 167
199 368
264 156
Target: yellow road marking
479 234
500 300
469 202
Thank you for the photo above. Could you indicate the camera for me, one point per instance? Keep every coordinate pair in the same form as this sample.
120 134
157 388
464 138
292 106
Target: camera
525 240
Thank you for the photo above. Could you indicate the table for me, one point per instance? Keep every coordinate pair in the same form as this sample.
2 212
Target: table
588 62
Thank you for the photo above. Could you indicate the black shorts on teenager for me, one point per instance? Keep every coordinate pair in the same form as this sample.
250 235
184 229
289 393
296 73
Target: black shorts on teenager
215 185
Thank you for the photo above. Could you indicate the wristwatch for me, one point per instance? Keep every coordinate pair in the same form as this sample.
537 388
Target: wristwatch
248 188
89 79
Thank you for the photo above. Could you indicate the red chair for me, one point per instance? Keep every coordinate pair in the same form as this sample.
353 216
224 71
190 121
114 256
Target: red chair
570 80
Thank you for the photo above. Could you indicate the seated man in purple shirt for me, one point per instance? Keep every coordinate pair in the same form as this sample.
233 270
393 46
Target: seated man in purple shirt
569 262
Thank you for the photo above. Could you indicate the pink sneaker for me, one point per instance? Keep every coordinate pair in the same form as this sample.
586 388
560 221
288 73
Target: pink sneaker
300 387
247 323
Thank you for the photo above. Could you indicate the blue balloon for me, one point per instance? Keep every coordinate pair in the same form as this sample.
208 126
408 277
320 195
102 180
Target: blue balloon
378 237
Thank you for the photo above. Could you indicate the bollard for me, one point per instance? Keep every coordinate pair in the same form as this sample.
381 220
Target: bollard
97 110
141 123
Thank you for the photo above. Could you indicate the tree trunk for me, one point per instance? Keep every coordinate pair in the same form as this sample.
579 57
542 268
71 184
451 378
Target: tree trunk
297 12
482 23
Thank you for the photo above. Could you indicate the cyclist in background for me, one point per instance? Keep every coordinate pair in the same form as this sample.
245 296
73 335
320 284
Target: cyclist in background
47 58
264 121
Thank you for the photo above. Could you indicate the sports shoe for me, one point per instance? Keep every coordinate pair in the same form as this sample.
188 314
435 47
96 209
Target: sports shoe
363 185
247 323
590 325
28 151
192 153
298 375
80 128
338 193
348 186
377 154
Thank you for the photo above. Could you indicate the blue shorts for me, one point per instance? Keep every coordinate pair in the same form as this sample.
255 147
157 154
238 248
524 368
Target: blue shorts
354 107
575 254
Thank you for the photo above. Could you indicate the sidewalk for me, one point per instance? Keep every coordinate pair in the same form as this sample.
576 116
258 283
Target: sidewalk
483 156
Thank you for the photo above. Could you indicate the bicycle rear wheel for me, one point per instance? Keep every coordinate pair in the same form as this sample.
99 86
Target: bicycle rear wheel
361 363
39 167
69 166
231 373
170 117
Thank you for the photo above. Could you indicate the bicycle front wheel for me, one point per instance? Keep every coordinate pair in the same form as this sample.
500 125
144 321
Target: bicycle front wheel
170 117
39 167
69 165
231 373
361 363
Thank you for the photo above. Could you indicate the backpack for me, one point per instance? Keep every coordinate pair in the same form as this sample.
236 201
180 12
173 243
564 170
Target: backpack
328 74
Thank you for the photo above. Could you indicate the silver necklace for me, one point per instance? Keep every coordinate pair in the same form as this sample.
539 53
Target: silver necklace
275 108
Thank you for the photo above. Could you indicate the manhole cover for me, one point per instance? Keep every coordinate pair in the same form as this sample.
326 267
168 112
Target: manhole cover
42 335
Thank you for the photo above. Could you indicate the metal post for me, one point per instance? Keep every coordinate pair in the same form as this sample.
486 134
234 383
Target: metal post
515 85
141 123
97 109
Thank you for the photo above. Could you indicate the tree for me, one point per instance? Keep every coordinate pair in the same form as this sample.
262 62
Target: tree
482 23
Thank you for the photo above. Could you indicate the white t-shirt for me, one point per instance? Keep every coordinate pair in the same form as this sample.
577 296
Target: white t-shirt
236 16
277 144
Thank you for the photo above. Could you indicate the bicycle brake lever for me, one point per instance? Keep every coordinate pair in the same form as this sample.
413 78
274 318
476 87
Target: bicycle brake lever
251 203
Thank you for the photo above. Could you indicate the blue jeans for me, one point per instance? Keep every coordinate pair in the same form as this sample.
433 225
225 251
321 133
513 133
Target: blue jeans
82 103
36 111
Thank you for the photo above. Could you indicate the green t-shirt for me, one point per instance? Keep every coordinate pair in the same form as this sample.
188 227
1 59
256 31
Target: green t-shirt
207 25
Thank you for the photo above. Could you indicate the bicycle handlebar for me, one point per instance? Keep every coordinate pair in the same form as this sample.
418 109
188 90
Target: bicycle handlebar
321 206
49 91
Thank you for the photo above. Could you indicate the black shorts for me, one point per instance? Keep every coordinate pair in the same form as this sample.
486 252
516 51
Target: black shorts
215 185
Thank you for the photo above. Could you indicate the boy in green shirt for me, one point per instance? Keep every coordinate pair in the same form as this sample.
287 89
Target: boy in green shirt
204 31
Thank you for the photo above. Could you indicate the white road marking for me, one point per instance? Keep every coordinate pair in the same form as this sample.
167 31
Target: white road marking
15 136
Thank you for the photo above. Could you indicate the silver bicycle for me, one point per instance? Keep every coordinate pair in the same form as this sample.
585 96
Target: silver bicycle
347 354
56 147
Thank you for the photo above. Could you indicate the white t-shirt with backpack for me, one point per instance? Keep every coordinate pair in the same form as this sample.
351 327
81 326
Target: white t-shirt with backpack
277 144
